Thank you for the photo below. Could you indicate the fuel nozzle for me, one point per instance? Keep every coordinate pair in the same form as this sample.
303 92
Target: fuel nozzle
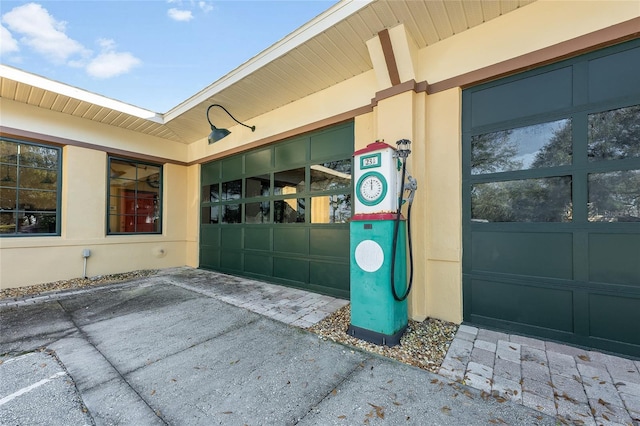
411 185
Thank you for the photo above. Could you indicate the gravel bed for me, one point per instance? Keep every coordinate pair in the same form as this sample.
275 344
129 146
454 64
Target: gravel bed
72 284
423 345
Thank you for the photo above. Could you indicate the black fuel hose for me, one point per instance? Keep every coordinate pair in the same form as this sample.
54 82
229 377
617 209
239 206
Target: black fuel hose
396 228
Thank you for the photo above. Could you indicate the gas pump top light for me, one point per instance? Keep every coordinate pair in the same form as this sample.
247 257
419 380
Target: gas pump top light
403 150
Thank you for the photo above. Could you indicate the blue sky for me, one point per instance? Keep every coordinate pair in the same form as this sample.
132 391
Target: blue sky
153 54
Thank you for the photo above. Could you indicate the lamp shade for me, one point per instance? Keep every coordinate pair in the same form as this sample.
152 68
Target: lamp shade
217 134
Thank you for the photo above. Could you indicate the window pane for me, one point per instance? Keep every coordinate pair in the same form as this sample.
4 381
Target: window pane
8 152
210 214
8 175
135 197
614 196
257 212
257 186
7 223
37 223
331 209
528 200
539 145
289 182
210 193
614 134
7 198
38 178
231 190
119 183
231 213
38 156
289 211
37 200
122 169
331 175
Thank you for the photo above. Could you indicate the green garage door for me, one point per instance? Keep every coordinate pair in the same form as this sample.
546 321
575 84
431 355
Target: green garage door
281 213
551 201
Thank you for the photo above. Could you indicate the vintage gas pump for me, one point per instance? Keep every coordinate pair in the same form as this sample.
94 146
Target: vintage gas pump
378 251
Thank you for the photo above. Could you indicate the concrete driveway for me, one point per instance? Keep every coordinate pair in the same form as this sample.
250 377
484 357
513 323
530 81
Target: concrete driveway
170 349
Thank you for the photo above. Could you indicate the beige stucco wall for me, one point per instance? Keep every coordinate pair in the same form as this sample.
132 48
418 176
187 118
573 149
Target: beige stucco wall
27 260
535 26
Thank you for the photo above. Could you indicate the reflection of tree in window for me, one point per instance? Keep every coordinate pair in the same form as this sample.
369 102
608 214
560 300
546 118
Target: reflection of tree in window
231 213
231 190
558 151
492 152
28 188
527 200
614 134
539 145
614 196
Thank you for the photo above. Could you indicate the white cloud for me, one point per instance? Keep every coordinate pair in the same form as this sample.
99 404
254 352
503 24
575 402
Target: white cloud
205 7
180 15
40 31
110 63
8 44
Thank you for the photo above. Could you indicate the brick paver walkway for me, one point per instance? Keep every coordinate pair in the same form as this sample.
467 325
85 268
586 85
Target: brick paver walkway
580 386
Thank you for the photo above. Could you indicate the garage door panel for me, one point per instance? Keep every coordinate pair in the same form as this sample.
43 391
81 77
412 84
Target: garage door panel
232 167
291 239
615 76
231 261
291 269
211 235
329 144
550 91
231 238
289 155
615 258
538 306
330 242
258 161
330 274
257 238
615 318
209 257
542 254
258 264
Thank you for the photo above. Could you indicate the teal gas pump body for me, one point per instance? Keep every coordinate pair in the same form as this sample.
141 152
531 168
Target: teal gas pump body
376 315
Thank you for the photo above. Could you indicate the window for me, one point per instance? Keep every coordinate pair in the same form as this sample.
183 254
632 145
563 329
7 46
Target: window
30 179
135 197
282 196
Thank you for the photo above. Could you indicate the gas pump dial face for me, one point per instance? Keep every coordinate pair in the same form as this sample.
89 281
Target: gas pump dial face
371 188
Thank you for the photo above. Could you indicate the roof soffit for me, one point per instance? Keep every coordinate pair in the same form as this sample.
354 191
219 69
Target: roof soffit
328 50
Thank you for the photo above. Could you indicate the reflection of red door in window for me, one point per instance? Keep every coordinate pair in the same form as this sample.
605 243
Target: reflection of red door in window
139 211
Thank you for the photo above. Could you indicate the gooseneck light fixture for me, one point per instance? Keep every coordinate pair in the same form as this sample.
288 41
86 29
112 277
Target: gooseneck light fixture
217 134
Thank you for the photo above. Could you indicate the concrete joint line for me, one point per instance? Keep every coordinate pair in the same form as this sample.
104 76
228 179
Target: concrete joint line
347 376
118 374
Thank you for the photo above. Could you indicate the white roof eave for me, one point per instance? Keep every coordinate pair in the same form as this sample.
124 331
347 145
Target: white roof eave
321 23
79 94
